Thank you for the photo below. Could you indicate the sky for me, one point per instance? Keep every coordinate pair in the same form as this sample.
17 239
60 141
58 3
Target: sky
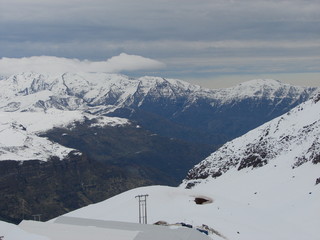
213 43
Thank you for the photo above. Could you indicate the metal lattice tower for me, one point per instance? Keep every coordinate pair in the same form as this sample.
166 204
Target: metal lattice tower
37 217
142 208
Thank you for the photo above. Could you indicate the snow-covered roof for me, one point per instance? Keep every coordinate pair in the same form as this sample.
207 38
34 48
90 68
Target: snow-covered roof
66 228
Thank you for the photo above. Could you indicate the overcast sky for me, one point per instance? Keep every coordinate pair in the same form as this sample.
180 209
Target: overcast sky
214 43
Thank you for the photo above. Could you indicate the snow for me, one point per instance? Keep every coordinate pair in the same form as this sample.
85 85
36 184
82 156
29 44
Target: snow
69 232
109 121
257 89
263 204
272 197
18 134
164 203
66 228
12 232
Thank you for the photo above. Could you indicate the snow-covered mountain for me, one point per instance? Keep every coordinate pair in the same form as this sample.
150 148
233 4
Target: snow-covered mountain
263 185
291 140
19 133
188 111
31 99
86 90
107 92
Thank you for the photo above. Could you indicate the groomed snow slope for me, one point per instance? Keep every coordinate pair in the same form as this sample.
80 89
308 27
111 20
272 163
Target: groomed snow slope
268 188
237 217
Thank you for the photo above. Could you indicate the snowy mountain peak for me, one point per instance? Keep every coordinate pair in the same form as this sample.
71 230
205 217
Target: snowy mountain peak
264 82
81 91
262 88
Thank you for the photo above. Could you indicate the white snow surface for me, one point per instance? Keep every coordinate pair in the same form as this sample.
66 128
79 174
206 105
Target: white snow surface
278 200
71 232
13 232
269 214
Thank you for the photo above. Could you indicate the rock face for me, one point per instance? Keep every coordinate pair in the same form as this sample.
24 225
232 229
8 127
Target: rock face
292 138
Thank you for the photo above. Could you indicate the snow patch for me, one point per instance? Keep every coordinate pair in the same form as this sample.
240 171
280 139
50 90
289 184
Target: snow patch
19 132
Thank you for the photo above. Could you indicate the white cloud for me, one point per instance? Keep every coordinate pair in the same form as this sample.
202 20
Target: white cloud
52 65
125 62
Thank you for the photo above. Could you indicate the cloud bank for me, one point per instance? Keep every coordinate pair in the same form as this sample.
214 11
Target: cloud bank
53 65
201 39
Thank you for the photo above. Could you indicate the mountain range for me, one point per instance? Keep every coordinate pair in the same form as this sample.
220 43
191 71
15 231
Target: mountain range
188 112
74 139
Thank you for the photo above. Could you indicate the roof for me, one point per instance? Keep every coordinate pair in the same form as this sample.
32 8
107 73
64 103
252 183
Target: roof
69 228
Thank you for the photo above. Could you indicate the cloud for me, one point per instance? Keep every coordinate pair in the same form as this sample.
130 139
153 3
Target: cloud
53 65
125 62
195 39
158 19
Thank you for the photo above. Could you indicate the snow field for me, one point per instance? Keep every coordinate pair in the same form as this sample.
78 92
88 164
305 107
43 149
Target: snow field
13 232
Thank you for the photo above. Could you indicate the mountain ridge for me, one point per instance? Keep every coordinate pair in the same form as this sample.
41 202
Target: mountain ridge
101 86
295 133
190 113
